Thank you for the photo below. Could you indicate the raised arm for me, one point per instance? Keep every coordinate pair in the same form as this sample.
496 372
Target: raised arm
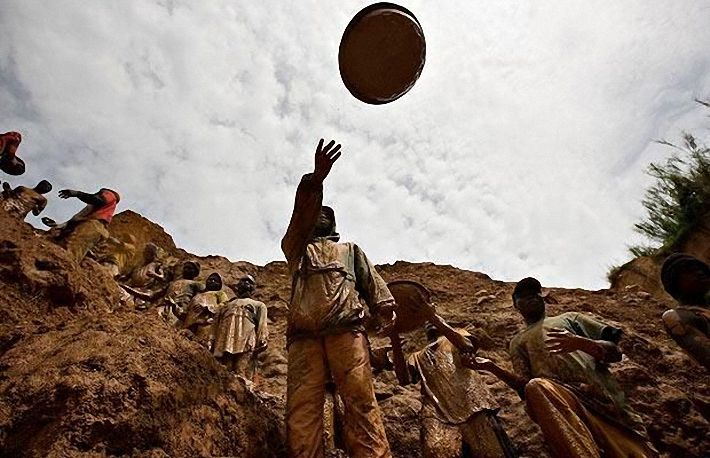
96 199
309 198
463 343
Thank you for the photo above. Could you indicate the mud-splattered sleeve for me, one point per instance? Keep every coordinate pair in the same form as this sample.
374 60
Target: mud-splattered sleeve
370 285
309 198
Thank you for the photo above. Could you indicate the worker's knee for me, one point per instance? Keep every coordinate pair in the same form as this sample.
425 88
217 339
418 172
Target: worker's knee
535 387
674 323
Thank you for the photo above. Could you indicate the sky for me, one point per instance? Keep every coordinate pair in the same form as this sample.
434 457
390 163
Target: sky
520 151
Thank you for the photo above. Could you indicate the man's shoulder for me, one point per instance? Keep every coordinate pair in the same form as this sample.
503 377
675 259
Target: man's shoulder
517 340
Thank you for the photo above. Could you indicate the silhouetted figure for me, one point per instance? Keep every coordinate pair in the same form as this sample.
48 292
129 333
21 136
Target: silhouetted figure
9 162
19 202
88 227
687 279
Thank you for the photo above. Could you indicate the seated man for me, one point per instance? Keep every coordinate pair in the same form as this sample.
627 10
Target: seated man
180 292
152 272
203 307
116 255
88 227
19 202
687 279
457 407
9 162
239 331
561 370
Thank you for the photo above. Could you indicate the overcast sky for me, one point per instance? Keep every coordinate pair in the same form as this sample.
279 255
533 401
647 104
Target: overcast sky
520 151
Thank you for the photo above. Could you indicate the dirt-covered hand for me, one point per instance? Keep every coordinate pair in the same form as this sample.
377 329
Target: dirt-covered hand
49 222
325 158
67 193
476 363
560 341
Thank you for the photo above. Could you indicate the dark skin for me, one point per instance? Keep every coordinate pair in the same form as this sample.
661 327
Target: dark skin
213 283
463 344
95 199
324 159
244 288
693 286
558 341
190 271
685 326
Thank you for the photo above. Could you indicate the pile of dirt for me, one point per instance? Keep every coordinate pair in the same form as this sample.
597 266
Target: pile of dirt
95 379
82 376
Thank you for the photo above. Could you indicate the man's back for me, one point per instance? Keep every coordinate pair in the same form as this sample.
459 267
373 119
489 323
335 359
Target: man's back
22 201
456 391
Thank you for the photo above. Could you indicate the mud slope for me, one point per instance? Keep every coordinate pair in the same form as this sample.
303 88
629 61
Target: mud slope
81 376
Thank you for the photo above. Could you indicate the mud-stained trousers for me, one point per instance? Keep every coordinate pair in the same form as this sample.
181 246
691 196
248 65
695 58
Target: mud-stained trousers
482 434
243 364
84 237
346 357
573 431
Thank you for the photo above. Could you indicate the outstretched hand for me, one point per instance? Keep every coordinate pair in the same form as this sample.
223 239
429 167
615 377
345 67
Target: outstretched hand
67 193
476 363
560 341
325 158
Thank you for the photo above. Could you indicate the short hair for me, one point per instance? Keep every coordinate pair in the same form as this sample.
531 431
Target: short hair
526 287
44 185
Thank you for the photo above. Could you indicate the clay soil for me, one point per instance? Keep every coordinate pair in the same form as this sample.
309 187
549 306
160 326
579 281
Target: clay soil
83 375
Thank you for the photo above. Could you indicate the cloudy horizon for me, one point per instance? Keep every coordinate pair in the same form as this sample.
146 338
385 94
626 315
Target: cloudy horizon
521 150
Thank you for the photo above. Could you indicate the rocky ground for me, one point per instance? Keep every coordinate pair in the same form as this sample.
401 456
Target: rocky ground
81 375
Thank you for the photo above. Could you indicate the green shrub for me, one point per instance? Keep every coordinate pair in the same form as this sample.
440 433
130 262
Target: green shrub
679 198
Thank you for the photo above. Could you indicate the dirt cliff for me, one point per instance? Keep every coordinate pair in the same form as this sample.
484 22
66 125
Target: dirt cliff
81 375
644 271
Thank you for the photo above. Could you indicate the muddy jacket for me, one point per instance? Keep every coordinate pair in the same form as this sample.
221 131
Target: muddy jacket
329 279
240 326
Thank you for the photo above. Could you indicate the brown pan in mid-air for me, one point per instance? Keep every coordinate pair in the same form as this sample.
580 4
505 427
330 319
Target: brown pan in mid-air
382 53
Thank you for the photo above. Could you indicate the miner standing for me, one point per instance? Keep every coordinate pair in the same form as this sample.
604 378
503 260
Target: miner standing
325 324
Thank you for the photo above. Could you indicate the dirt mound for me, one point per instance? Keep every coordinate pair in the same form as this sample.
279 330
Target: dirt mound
94 379
143 230
84 377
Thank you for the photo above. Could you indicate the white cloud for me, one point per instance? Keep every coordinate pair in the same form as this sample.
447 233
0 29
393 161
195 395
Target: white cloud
520 151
